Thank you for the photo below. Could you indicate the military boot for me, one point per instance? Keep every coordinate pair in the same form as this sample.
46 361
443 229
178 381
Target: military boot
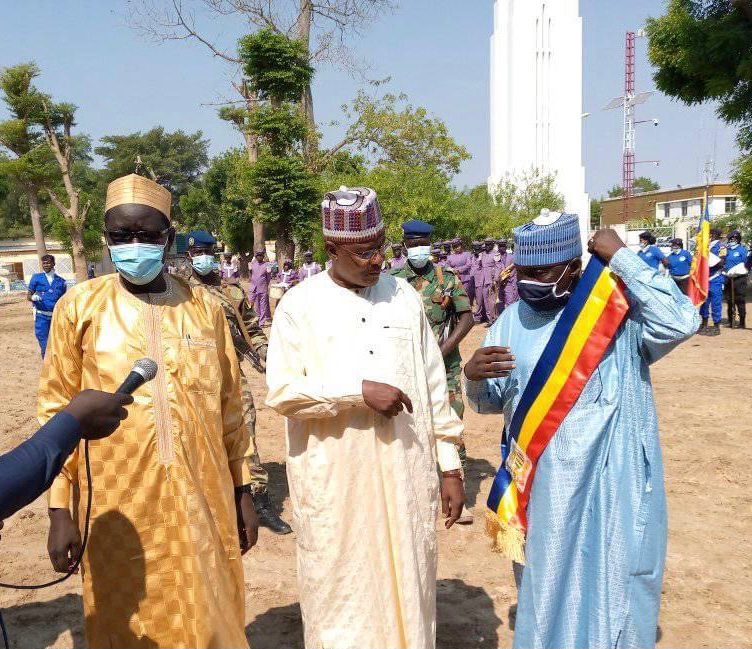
715 330
267 516
703 330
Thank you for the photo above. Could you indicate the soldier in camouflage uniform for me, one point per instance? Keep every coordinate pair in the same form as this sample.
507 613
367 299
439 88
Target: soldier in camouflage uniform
447 308
250 345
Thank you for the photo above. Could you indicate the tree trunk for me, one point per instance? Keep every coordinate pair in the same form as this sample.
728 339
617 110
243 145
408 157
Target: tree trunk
251 146
259 236
285 247
245 259
36 223
310 144
745 6
303 33
79 259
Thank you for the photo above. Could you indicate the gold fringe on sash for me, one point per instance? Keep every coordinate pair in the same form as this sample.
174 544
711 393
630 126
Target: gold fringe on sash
505 539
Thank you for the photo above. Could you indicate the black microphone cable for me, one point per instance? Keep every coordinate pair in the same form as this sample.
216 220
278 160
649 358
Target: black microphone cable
143 370
73 568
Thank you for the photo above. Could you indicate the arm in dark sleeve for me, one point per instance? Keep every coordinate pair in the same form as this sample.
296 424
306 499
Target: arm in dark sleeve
28 470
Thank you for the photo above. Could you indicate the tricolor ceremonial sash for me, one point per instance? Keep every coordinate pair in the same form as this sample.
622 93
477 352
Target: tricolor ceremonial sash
584 331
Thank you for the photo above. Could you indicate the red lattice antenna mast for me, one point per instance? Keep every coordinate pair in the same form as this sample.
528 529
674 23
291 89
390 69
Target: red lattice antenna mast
628 164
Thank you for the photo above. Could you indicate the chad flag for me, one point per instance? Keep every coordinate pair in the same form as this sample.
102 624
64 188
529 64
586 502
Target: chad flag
697 290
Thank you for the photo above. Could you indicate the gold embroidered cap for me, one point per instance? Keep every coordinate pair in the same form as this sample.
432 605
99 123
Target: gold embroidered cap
135 189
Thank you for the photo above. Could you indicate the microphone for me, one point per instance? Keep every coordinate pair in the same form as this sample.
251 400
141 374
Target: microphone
143 370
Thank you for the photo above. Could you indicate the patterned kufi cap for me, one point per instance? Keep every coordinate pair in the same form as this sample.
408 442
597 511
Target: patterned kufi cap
552 238
351 215
137 190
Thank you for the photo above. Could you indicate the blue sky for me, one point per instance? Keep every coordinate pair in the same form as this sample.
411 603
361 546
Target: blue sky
436 51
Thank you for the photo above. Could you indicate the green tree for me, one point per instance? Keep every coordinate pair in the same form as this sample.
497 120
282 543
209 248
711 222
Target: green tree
27 165
223 203
596 208
174 160
702 51
529 193
91 189
285 192
477 213
641 185
390 130
40 139
15 220
66 195
741 221
323 27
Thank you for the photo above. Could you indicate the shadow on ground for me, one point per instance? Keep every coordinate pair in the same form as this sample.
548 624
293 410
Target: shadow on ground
278 488
465 620
476 471
465 616
40 624
280 627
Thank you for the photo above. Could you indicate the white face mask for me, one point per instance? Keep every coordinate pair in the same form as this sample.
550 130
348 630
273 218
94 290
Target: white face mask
419 255
643 244
675 251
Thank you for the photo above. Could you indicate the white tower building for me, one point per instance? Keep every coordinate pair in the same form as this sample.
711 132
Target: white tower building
536 96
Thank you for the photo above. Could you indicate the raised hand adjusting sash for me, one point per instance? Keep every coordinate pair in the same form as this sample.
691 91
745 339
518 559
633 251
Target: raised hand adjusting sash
584 331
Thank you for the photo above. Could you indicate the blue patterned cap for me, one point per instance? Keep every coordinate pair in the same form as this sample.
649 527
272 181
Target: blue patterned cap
549 239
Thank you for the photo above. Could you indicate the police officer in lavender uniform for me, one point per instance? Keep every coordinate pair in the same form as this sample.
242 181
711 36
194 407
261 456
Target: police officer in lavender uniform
45 289
679 264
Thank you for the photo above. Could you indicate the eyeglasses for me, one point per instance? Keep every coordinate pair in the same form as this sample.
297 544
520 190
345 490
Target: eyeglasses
369 255
142 236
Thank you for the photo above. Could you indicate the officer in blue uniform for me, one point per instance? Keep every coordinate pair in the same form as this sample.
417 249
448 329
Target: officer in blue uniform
736 271
714 301
679 263
649 252
45 289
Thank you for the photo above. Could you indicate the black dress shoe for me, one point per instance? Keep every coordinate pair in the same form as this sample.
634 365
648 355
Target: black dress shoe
267 517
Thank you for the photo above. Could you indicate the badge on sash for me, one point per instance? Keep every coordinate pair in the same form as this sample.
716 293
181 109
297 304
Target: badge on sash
519 465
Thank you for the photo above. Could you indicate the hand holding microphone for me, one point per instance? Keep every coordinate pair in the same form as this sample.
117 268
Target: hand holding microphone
100 413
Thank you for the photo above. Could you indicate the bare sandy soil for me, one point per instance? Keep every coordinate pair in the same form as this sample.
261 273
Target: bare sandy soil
705 411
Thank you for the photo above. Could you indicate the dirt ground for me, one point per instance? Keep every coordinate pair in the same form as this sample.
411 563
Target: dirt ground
705 413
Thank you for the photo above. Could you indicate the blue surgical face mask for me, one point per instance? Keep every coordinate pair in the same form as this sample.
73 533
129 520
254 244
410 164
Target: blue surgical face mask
542 296
203 264
139 263
419 255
